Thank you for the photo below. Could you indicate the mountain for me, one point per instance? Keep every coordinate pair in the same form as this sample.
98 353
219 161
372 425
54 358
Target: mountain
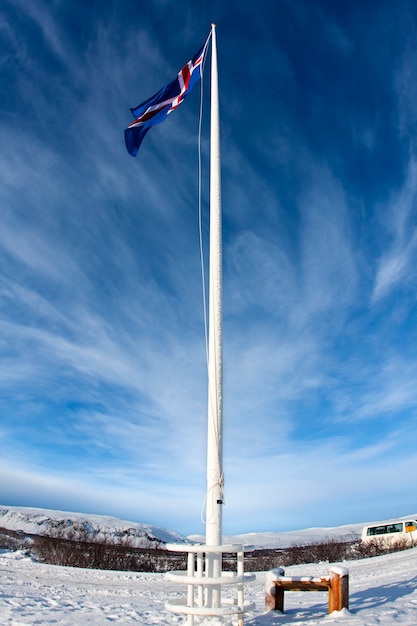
348 532
34 521
28 520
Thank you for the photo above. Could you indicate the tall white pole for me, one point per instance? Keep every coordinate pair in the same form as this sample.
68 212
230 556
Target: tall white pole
215 368
209 582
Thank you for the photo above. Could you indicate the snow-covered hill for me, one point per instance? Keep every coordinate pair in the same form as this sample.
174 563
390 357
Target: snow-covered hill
38 521
35 521
347 532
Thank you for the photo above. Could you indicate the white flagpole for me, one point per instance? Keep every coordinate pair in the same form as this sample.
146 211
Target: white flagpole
204 596
215 367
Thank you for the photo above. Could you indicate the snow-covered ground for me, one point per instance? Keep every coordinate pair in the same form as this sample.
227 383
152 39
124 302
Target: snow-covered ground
383 591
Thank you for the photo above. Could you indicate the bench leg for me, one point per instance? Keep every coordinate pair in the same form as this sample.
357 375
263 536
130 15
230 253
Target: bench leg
338 592
279 599
274 596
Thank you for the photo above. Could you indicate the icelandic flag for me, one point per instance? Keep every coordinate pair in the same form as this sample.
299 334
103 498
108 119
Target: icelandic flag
157 108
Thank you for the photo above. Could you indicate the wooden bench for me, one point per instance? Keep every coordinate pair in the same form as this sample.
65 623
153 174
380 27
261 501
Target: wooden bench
336 583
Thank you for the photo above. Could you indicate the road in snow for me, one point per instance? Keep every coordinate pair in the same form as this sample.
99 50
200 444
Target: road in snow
383 591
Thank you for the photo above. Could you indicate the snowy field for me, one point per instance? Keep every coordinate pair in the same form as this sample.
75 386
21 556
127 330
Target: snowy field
383 591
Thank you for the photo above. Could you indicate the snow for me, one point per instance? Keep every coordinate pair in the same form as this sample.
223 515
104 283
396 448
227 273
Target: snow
37 521
347 532
383 591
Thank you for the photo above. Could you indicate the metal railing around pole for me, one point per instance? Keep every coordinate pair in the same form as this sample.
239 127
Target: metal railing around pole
200 581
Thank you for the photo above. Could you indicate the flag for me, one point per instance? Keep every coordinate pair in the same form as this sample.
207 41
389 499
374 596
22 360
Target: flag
156 109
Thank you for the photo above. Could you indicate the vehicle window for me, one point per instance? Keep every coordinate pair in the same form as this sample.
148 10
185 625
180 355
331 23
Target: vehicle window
395 528
387 528
377 530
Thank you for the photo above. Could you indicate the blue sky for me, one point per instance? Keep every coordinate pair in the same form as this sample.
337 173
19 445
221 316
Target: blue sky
103 382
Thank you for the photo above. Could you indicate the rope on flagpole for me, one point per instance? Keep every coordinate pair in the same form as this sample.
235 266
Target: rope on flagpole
220 481
200 211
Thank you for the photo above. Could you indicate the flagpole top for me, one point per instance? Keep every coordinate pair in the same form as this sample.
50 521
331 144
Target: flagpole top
213 25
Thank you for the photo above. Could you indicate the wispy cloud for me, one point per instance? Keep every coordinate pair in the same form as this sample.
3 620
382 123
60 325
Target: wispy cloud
396 264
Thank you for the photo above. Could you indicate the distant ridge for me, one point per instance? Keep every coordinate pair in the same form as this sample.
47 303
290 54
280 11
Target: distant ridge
286 539
36 521
271 540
